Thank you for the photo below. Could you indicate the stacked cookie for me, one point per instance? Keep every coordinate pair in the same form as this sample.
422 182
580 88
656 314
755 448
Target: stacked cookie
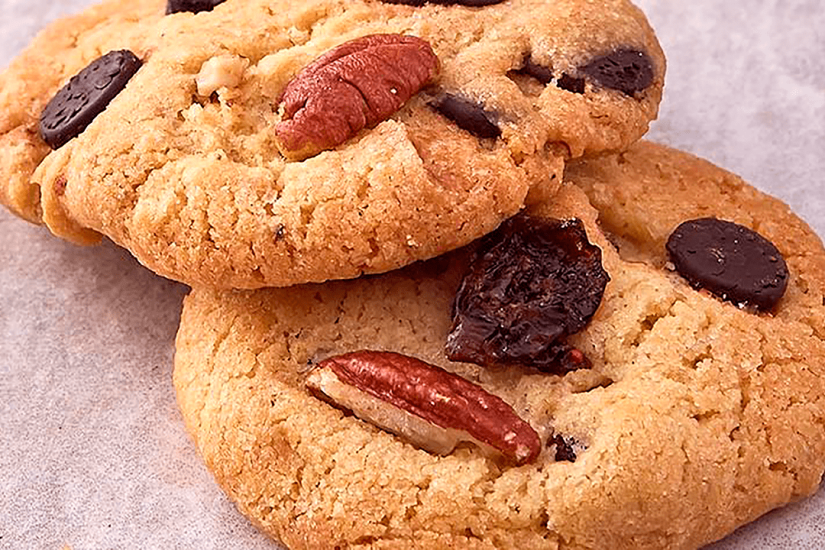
569 380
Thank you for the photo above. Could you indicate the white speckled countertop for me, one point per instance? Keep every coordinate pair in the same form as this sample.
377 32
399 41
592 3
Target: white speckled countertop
94 453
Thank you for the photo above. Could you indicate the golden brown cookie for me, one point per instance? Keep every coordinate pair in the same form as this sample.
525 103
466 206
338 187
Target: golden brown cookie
696 416
197 165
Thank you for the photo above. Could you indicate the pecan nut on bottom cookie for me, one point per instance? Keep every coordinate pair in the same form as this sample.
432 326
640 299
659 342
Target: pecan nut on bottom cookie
647 408
252 143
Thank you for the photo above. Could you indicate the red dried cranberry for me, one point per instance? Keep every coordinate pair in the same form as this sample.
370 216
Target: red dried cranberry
530 284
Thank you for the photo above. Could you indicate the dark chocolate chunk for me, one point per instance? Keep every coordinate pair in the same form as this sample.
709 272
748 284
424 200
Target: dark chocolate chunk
468 3
571 84
86 95
539 72
467 115
530 284
193 6
628 71
564 448
545 76
729 260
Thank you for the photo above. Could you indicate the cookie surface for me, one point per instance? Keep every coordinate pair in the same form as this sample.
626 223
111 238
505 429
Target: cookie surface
695 417
182 167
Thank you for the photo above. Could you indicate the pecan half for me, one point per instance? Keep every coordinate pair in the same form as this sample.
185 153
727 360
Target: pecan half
432 408
356 85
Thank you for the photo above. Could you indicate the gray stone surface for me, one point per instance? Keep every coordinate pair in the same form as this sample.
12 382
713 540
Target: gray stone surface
94 454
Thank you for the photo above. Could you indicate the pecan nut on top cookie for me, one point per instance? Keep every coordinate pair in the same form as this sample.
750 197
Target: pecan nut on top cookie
602 394
251 143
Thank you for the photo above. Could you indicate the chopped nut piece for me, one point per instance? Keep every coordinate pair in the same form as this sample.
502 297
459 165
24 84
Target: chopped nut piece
225 71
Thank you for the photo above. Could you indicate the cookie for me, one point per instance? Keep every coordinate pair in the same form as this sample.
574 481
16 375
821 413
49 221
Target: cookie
694 416
266 143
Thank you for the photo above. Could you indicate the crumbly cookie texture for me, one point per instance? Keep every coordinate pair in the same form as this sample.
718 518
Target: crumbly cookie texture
182 167
696 417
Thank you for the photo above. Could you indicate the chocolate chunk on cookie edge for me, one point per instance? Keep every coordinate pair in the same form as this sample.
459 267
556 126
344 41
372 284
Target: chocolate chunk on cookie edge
191 6
86 95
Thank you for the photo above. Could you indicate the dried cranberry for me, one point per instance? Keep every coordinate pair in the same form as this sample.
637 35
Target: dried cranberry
530 284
